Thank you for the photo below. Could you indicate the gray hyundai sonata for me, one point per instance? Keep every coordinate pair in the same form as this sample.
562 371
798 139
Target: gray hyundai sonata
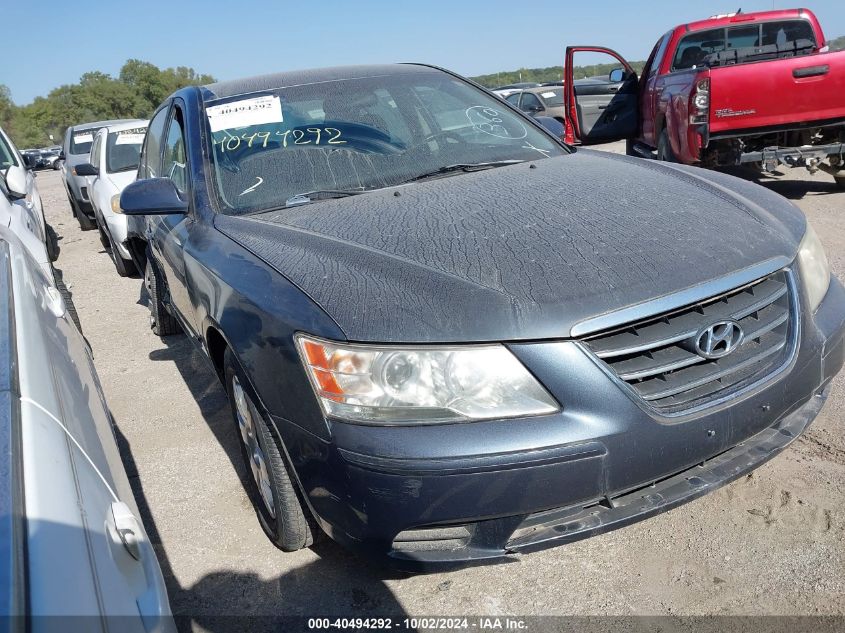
447 336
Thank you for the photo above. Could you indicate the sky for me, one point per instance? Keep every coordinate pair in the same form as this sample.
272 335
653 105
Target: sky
57 40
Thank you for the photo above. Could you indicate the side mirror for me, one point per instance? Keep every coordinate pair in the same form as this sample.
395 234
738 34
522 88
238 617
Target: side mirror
62 155
535 108
552 125
16 182
152 196
618 75
86 169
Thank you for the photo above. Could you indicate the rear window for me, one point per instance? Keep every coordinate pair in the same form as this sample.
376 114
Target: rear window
123 149
81 140
744 43
553 97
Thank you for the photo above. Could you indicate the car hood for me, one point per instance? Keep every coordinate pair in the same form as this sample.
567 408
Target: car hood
121 179
519 252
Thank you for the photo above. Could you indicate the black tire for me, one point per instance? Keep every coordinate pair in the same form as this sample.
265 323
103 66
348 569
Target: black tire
67 297
840 180
161 321
85 223
664 148
124 267
104 239
287 524
52 239
629 147
57 165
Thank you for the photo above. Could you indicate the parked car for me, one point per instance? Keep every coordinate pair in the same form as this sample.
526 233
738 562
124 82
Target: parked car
447 337
542 101
72 540
114 164
75 151
21 209
746 88
50 158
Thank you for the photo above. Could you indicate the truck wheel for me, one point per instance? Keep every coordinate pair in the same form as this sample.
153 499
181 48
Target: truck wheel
273 494
161 321
664 148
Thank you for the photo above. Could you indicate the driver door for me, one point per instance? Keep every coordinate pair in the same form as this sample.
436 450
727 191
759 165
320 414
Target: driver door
600 109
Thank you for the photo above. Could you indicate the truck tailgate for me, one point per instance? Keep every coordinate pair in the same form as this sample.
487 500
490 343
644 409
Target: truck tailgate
777 92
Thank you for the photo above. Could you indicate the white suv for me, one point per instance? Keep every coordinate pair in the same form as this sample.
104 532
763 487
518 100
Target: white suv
114 164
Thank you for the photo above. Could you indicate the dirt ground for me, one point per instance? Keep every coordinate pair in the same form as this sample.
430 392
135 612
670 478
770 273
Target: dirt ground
771 543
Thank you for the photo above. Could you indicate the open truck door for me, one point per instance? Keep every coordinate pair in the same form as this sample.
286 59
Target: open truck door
600 110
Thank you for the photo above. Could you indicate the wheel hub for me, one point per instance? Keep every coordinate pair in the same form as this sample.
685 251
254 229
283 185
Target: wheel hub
257 461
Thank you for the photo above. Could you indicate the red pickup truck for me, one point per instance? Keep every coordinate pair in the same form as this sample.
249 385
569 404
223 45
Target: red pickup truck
758 88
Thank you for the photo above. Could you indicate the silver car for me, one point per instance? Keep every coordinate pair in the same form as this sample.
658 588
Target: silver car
71 541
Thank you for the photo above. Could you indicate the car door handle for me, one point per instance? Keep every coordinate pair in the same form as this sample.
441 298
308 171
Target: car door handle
602 107
810 71
613 89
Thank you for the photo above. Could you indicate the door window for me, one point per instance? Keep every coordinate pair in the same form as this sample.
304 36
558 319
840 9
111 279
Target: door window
95 152
175 163
659 54
513 99
150 164
530 102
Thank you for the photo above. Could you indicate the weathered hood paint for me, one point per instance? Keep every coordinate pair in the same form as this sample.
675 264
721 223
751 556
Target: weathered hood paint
521 252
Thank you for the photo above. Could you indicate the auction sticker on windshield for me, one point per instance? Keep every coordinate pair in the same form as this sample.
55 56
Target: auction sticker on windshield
130 137
83 138
246 112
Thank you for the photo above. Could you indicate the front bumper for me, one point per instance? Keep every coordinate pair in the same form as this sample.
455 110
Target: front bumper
432 497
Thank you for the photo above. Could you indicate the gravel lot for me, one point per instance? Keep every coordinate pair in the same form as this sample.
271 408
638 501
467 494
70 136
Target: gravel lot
771 543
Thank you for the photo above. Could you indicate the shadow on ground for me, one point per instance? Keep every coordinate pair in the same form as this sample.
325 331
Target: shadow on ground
781 182
338 583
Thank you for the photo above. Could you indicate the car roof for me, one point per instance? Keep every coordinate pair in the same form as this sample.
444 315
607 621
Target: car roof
540 89
81 127
738 19
128 125
223 89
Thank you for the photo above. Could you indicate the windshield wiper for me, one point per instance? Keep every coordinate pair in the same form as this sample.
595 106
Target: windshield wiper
464 167
321 194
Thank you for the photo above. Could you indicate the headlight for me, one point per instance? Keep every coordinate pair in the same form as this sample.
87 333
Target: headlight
384 385
115 204
815 271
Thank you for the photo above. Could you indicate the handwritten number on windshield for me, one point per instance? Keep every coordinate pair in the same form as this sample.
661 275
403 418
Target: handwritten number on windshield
309 136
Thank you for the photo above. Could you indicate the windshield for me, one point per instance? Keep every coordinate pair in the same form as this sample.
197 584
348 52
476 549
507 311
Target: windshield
553 97
123 149
7 156
359 134
81 140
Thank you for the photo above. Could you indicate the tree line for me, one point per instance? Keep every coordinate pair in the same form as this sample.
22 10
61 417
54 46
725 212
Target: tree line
134 93
548 74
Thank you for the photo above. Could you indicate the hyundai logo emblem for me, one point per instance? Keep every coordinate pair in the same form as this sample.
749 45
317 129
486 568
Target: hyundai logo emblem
718 339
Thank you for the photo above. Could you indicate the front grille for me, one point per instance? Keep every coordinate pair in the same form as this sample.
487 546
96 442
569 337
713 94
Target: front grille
657 357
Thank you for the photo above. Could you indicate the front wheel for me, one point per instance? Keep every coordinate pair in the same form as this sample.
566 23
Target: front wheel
161 321
276 501
664 148
124 267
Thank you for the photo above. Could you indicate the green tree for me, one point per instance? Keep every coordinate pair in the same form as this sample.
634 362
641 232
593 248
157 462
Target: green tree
97 96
